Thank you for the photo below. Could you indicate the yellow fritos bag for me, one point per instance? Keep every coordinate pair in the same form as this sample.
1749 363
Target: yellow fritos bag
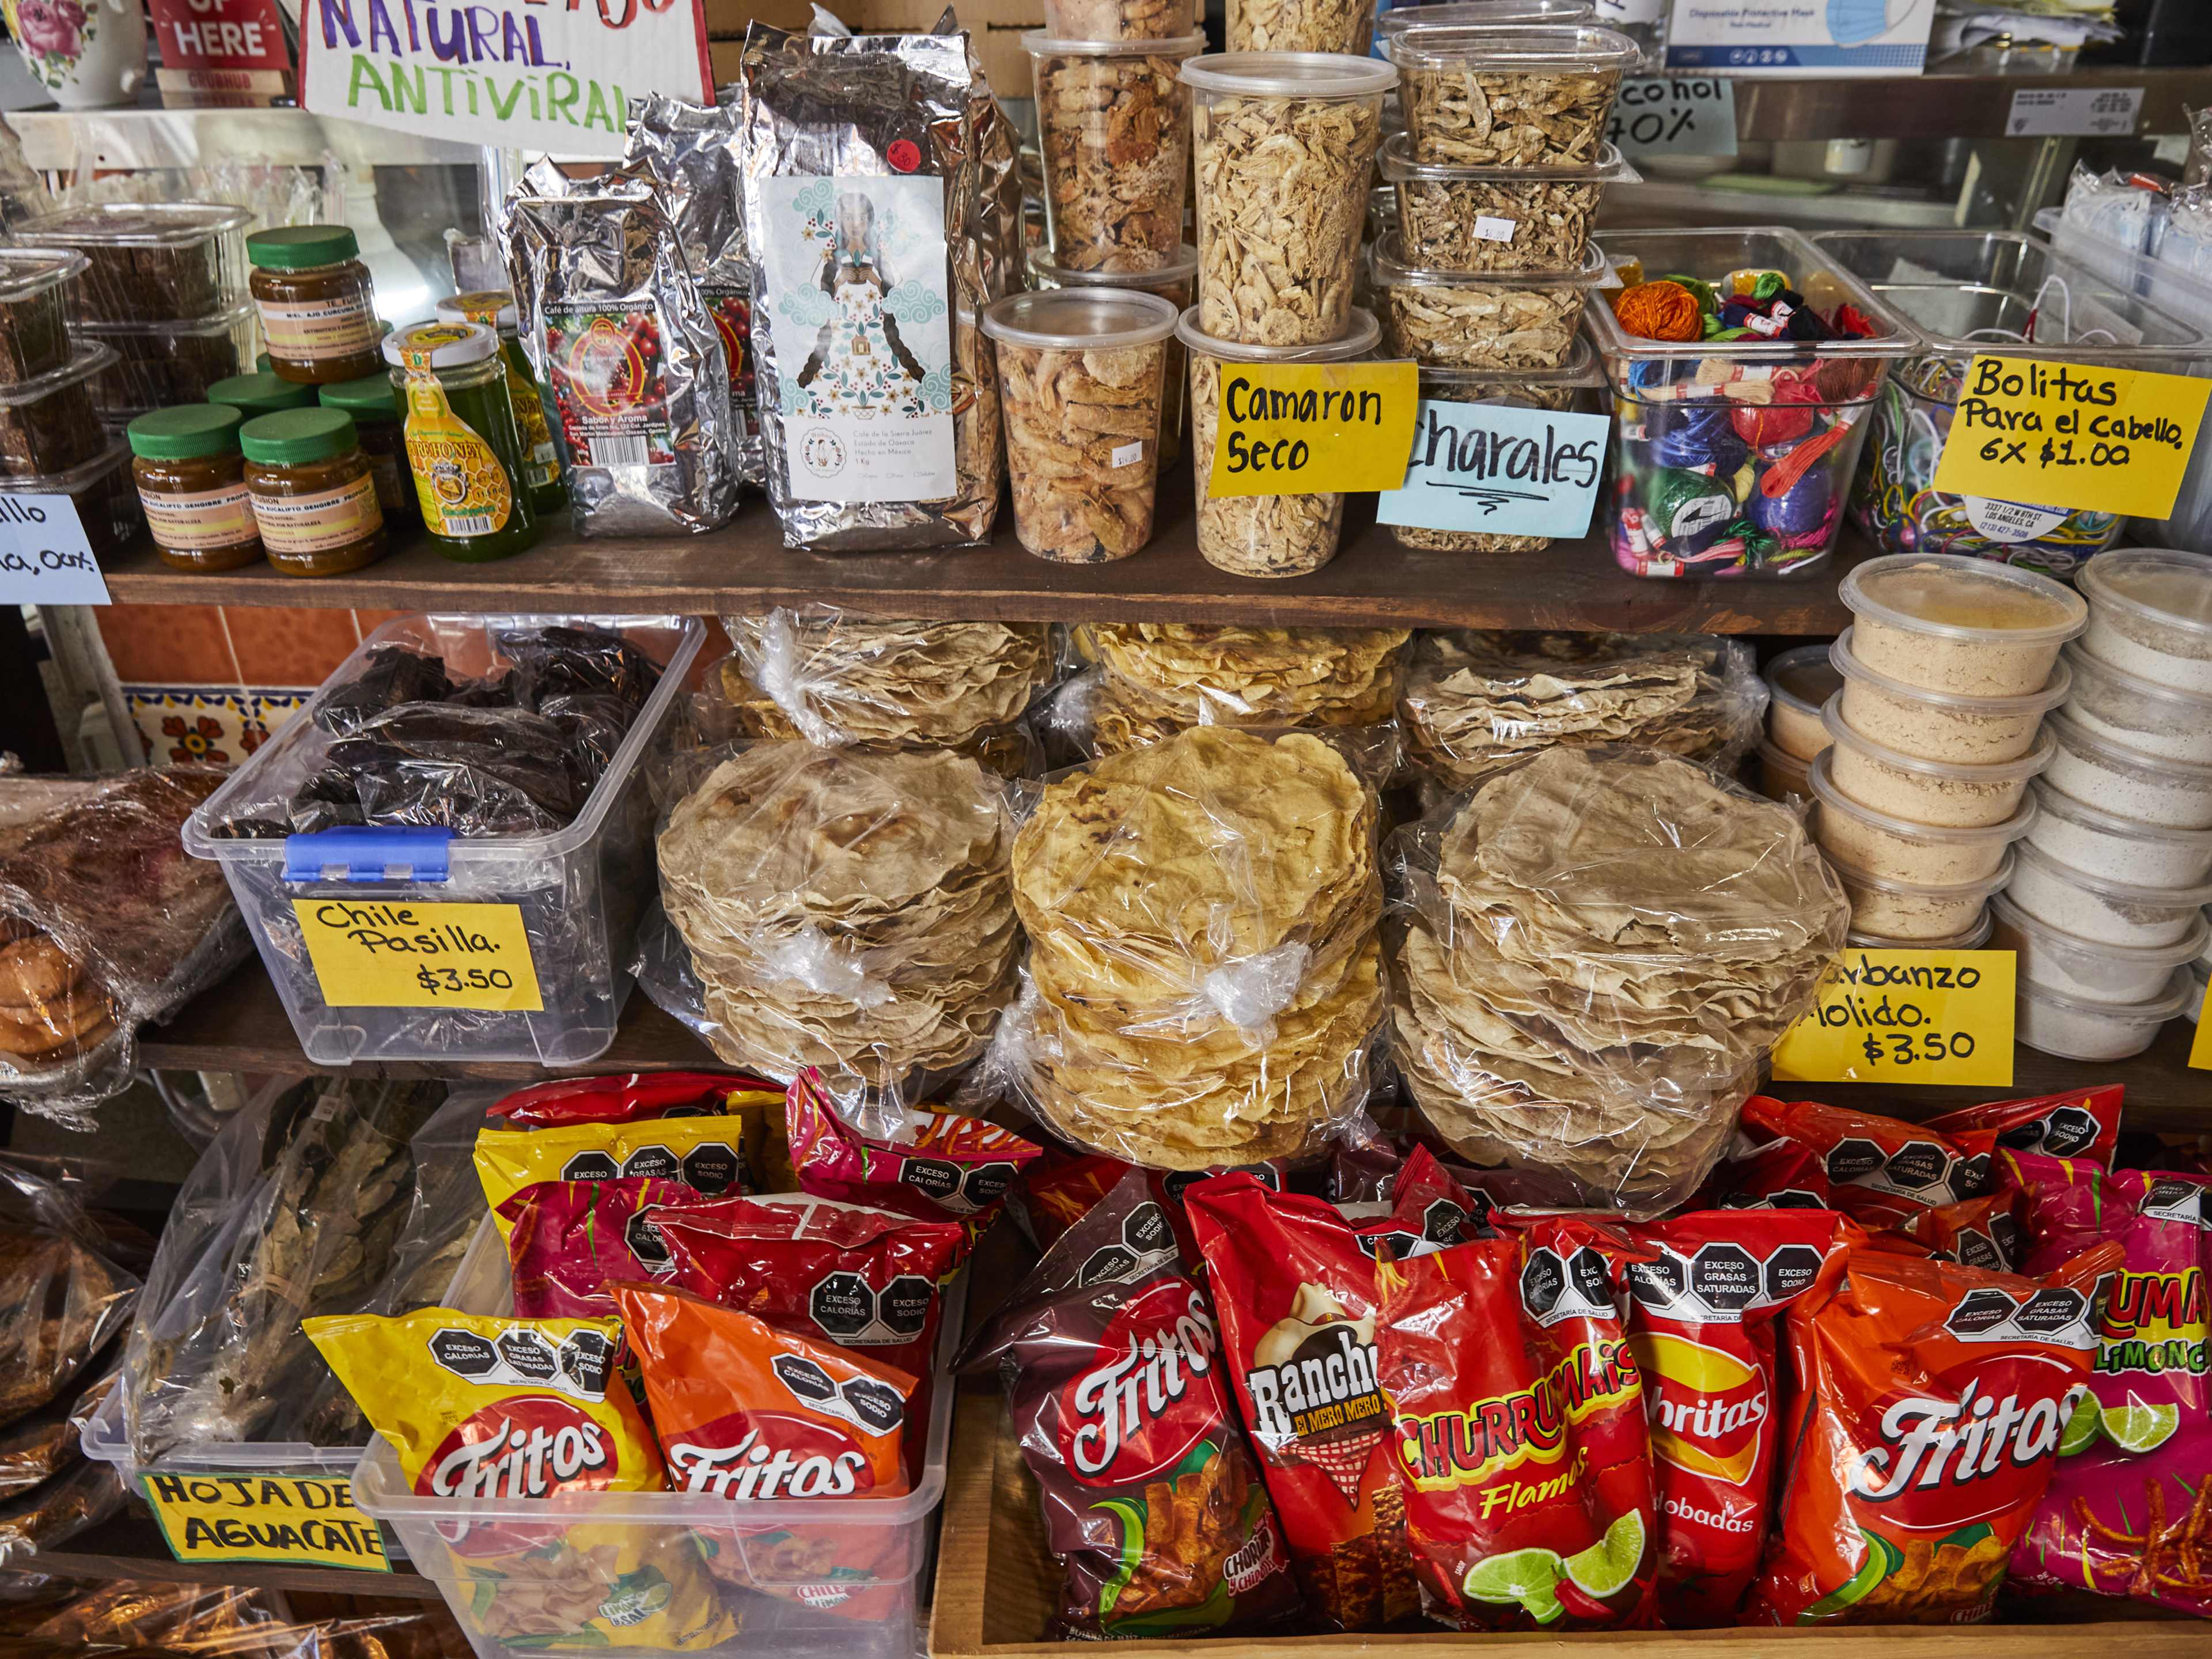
716 1155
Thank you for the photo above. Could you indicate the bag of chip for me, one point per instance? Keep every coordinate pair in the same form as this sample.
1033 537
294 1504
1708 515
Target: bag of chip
1296 1297
951 1166
1113 1372
1059 1189
713 1155
1702 1324
1923 1429
486 1407
567 1239
753 1414
1782 1175
1427 1211
1879 1169
1975 1233
2084 1123
626 1099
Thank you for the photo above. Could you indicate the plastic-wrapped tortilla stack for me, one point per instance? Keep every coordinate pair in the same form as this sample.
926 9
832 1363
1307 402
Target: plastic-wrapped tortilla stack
1204 972
845 909
1477 701
1599 949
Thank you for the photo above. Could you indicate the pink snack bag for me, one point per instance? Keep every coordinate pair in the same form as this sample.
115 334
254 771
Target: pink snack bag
953 1166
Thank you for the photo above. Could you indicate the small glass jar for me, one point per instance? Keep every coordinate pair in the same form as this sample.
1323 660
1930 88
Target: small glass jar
463 446
318 308
191 475
373 402
541 457
261 394
314 494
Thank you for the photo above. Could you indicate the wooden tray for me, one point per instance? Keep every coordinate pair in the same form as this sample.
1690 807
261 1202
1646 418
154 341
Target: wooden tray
996 1588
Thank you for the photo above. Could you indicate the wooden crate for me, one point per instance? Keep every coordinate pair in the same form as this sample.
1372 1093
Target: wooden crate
996 1588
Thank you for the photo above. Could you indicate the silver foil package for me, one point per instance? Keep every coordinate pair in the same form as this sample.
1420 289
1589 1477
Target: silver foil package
883 213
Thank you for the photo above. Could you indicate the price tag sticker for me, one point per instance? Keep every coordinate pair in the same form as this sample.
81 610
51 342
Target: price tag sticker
370 955
2073 436
2074 112
1907 1016
1312 428
293 1520
45 558
2200 1049
1675 115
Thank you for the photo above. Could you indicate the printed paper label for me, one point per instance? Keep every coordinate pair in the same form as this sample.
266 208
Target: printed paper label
44 556
201 519
317 523
1307 428
370 954
1675 115
606 370
1907 1016
1128 454
306 330
292 1520
2074 112
1494 230
2011 522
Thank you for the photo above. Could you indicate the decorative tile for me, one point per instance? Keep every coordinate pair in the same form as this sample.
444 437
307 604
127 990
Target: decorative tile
281 646
197 725
267 711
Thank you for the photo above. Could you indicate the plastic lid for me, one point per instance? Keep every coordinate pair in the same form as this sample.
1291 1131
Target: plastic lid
299 247
2140 955
1072 319
1391 272
2155 585
1971 939
2118 892
220 322
2055 691
1803 679
1605 168
1852 876
1357 342
134 224
2118 757
1288 74
25 271
1399 19
1042 43
260 392
180 433
2058 804
442 345
87 361
372 397
1177 271
1531 48
293 437
494 306
1579 369
1819 773
2192 706
72 481
1983 772
2180 988
1956 597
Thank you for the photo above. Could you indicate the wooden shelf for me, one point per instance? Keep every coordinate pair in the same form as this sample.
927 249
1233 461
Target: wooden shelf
131 1546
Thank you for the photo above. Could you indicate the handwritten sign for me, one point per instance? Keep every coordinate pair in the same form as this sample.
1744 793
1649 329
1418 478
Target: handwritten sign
521 73
1907 1016
1500 468
292 1519
2200 1049
2074 112
1312 428
44 556
369 954
1675 115
2072 436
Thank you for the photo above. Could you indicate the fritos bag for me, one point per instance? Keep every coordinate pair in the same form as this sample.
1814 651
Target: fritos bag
567 1239
1879 1169
626 1099
487 1408
713 1155
1975 1233
1113 1372
953 1165
1925 1427
2084 1123
1702 1325
1519 1438
1296 1300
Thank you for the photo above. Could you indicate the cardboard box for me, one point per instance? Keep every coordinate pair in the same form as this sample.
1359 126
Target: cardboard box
996 27
1799 37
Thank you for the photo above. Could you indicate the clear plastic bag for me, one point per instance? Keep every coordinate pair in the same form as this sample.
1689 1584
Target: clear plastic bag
36 1448
1095 714
62 1297
75 1501
1592 955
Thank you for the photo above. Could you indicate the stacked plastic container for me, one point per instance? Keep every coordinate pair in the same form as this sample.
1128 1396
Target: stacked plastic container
1799 683
2104 908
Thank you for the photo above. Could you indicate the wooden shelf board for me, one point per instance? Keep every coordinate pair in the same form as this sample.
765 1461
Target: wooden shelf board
131 1546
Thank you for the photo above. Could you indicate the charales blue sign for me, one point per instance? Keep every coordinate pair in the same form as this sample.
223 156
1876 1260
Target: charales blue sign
1502 469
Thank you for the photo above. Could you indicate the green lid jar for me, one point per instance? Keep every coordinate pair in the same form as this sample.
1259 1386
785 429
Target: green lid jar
314 494
541 458
317 303
190 478
373 402
261 394
463 445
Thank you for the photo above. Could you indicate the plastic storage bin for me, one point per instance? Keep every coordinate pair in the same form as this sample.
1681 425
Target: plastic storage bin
150 262
1986 292
1706 481
105 496
160 364
755 1544
1494 320
579 889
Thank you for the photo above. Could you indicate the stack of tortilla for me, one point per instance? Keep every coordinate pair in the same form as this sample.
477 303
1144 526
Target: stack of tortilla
846 909
1204 977
1599 949
1159 679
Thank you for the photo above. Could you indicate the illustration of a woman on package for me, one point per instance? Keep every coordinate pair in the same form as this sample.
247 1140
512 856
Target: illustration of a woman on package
858 365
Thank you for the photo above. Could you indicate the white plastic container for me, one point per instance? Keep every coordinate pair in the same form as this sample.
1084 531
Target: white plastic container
579 889
1942 725
1968 626
1926 791
2081 967
1781 774
2103 911
1898 849
2141 714
1973 938
2055 1023
1911 910
2120 849
1799 683
2126 781
2150 614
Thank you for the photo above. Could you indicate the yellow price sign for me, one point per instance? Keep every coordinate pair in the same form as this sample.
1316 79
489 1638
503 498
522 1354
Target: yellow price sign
2200 1049
2072 436
303 1521
1312 428
1907 1016
406 955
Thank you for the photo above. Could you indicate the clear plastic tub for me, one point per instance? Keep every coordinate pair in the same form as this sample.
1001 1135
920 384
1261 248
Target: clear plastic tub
2200 983
1119 19
105 496
2100 910
2126 709
1969 293
1942 725
1498 218
1772 502
149 262
1781 774
1799 683
1959 625
758 1549
1896 849
2082 967
1114 129
579 889
1284 145
1459 13
1303 26
2150 613
1973 938
1474 319
160 364
1175 282
1911 910
47 423
1080 375
34 336
2106 844
1535 95
2126 782
1926 791
2074 1029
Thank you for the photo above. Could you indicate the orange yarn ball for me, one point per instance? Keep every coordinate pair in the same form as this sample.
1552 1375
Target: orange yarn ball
1660 311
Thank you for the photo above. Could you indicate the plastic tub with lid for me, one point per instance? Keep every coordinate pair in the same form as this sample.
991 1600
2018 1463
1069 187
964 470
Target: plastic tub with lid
1394 21
2100 910
1912 909
2074 1028
1799 683
1973 938
1901 850
1453 76
2104 843
1939 724
1920 791
48 423
2200 985
34 336
159 365
105 498
2150 614
2141 714
2126 782
147 262
1486 319
1497 218
2082 967
1959 625
1781 774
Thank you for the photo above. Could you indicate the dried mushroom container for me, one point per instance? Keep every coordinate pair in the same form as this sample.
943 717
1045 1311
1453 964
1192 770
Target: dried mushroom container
1080 375
33 328
1395 20
1285 147
1470 319
107 499
1175 282
1261 535
1302 26
159 365
1497 218
1113 125
47 423
574 893
1119 19
1734 458
1533 95
148 262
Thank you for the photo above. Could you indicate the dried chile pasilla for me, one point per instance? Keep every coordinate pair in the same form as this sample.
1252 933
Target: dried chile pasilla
395 674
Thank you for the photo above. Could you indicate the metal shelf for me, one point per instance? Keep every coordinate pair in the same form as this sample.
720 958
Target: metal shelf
129 139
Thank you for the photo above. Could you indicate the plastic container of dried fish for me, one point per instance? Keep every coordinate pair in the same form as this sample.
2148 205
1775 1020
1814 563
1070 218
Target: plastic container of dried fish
576 891
1529 95
1498 218
759 1548
1510 319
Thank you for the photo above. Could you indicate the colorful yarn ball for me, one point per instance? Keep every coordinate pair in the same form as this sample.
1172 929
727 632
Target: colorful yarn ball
1693 434
1798 511
1659 311
1687 510
1784 421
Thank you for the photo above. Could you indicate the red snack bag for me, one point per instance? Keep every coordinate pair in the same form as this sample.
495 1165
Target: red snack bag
1879 1169
1976 1233
2084 1123
1924 1430
1782 1175
1429 1210
1113 1371
1059 1189
1702 1326
954 1165
1297 1298
1518 1420
626 1099
566 1239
